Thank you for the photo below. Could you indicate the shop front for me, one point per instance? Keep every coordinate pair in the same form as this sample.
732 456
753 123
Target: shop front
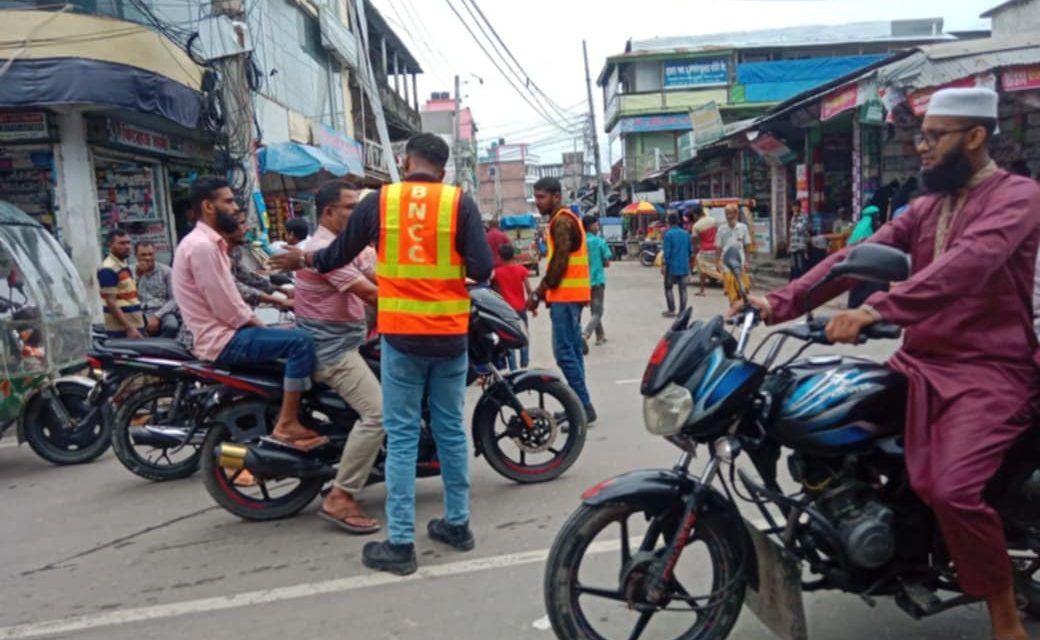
27 141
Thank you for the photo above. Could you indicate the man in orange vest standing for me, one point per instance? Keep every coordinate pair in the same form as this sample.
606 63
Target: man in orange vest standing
565 288
429 238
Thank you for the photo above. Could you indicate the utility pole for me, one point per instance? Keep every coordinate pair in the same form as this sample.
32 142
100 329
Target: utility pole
456 150
601 198
238 107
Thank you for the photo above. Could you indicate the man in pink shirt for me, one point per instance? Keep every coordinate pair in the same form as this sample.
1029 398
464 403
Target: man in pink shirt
223 326
331 308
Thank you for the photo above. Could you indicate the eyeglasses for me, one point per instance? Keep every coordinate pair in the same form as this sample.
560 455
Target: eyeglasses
931 137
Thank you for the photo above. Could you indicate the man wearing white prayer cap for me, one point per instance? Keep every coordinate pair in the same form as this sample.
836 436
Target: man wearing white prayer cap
969 351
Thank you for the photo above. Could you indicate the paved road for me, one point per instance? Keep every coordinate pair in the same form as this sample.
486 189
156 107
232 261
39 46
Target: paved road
95 553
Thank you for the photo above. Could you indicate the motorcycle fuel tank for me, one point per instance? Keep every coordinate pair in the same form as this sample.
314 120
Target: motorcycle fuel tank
834 405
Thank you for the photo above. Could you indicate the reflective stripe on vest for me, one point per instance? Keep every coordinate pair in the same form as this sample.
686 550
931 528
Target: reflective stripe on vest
575 285
421 278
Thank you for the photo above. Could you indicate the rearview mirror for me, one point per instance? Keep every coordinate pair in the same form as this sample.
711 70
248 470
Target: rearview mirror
731 258
873 262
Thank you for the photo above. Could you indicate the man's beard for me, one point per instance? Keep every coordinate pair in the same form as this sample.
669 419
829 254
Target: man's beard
950 174
226 222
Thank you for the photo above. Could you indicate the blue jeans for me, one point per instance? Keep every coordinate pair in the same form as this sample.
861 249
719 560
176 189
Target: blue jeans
525 358
566 337
406 379
257 344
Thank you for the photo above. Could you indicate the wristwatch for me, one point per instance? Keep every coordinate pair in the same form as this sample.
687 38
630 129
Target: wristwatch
303 261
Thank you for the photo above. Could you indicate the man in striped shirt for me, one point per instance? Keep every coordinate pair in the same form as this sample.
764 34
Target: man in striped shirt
123 315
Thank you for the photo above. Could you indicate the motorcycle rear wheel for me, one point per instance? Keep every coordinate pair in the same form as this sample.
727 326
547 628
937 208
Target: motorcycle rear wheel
491 423
55 444
565 593
138 463
244 501
646 259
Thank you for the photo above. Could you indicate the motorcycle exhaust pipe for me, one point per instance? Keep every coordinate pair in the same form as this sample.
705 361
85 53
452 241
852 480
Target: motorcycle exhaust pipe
271 462
158 437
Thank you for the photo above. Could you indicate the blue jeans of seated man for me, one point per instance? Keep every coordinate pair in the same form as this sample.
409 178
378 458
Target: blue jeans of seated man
259 344
566 339
406 379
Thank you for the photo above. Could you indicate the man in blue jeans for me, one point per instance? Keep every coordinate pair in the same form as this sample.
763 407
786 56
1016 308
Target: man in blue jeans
565 288
675 264
223 326
429 238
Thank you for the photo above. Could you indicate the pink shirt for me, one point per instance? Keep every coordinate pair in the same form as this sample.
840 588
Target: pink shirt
323 296
204 288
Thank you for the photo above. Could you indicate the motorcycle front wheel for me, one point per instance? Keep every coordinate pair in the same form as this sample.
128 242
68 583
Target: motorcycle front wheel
647 259
149 407
267 499
89 436
596 576
539 452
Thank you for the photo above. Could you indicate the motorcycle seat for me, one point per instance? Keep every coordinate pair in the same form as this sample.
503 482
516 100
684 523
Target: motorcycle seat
150 347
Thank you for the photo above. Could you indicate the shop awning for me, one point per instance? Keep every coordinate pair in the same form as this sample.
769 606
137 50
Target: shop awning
298 160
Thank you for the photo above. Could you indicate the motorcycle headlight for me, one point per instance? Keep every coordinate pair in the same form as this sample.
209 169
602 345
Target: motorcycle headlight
664 414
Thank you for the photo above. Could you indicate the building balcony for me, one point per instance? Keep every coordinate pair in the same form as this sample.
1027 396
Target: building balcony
639 167
399 113
658 102
375 160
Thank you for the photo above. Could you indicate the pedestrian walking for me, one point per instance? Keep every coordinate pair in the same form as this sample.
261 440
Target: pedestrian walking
123 315
675 264
599 261
430 238
496 238
511 282
705 252
800 237
565 287
734 234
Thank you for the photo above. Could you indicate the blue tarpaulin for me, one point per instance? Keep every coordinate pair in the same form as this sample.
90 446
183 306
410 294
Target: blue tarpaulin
521 221
782 79
298 160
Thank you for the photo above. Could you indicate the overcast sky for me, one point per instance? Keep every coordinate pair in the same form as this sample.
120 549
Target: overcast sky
545 36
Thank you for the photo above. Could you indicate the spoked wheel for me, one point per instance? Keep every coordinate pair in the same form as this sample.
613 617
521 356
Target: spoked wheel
151 440
596 577
264 498
541 450
87 436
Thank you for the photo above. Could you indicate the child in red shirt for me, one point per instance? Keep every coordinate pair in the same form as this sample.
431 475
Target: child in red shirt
510 280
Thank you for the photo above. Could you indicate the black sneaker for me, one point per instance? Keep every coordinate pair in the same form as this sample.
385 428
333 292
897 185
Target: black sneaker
393 558
590 416
458 536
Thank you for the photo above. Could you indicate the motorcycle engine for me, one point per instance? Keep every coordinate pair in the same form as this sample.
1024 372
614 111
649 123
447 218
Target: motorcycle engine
865 526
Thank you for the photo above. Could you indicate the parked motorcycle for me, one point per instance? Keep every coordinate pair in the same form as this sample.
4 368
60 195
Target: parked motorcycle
648 251
853 522
528 424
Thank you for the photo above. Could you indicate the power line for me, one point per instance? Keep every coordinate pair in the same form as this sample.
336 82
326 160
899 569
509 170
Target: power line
520 92
519 66
421 42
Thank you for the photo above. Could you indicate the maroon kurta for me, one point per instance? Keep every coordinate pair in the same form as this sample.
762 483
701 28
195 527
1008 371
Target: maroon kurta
969 352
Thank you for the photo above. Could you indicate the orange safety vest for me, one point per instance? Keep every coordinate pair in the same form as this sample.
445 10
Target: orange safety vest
421 277
575 286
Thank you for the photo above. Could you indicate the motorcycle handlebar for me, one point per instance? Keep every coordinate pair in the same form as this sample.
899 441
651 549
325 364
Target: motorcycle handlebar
877 331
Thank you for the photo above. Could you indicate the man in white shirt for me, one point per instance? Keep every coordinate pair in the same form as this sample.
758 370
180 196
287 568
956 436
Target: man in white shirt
734 233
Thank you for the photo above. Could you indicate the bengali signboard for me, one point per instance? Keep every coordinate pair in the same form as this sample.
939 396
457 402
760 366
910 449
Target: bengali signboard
919 100
340 147
707 123
772 149
1021 79
839 102
703 72
646 124
21 125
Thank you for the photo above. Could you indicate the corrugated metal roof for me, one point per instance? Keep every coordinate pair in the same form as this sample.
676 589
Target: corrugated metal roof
934 65
1003 5
853 33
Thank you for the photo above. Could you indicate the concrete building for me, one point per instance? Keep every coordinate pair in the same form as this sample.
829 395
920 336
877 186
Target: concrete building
1014 17
107 117
438 116
506 175
658 92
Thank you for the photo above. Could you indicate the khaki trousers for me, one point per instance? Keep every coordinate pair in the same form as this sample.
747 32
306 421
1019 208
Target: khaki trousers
351 378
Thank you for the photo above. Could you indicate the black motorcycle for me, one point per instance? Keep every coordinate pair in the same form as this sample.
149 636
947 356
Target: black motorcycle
157 409
648 251
528 424
852 521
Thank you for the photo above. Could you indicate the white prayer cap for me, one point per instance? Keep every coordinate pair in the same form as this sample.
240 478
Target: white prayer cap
974 102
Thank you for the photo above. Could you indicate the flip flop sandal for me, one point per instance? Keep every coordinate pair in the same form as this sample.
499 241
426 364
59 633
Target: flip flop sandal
317 441
346 526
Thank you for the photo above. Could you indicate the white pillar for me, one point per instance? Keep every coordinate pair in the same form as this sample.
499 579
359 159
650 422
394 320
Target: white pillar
77 198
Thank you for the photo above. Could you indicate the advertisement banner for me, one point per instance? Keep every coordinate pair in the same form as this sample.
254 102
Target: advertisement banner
839 101
704 72
23 126
801 181
707 123
647 124
1021 78
341 147
919 100
772 149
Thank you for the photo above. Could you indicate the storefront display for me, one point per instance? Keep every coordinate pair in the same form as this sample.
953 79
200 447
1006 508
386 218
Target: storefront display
27 181
128 199
281 208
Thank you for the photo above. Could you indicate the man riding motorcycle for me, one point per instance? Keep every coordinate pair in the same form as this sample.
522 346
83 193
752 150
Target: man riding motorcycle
331 308
969 351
